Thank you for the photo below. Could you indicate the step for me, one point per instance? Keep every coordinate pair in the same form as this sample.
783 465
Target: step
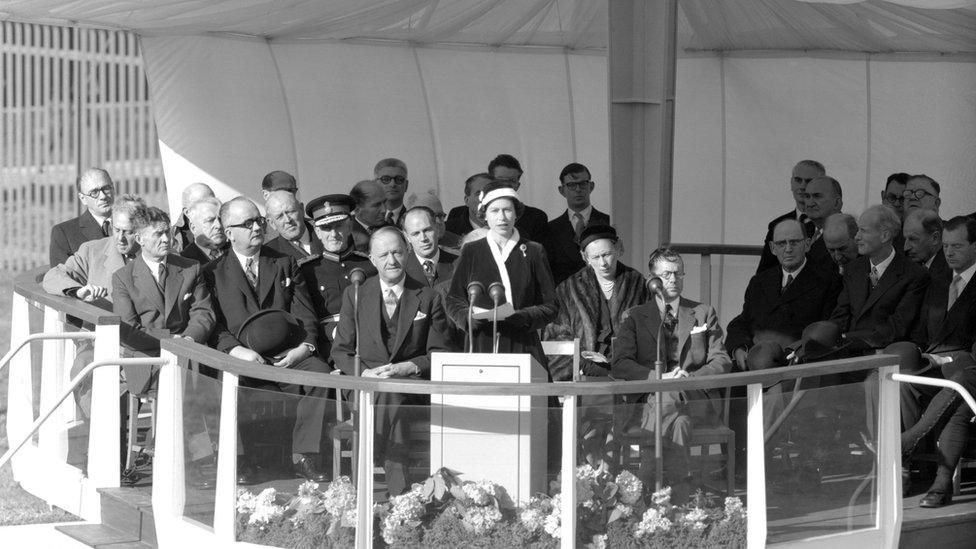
102 536
130 510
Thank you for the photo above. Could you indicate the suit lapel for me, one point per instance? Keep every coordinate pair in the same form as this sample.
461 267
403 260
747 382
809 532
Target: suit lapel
652 320
891 275
955 316
112 259
413 268
409 304
686 321
371 316
598 218
267 275
146 283
89 227
171 295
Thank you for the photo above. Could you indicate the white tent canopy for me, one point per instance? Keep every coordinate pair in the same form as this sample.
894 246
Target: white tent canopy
324 89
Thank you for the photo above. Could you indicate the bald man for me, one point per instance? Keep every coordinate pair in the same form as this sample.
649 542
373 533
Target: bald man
96 191
295 235
193 193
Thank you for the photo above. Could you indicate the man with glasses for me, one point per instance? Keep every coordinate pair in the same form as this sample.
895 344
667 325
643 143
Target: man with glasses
532 223
392 174
563 233
96 191
692 345
253 278
922 192
295 236
803 173
891 196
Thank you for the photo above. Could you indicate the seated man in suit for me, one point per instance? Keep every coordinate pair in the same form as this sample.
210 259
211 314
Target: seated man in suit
327 274
461 220
392 174
96 191
839 231
449 240
946 333
370 200
87 275
882 293
780 302
401 322
692 345
803 173
428 263
923 241
209 241
295 236
255 278
532 223
193 193
563 232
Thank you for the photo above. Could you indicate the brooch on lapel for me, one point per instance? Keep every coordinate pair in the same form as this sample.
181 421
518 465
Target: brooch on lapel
522 249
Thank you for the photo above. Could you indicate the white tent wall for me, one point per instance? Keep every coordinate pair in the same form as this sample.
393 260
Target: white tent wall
228 111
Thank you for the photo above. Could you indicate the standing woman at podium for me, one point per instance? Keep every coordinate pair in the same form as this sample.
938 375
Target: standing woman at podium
520 265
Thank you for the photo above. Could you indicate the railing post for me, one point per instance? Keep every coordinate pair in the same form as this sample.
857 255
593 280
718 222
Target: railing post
20 390
104 464
225 499
567 527
169 490
53 435
889 457
364 484
755 469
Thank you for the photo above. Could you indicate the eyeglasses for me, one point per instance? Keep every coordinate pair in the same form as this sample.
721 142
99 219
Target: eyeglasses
440 216
260 221
575 185
107 190
917 194
894 198
387 179
804 180
792 243
670 274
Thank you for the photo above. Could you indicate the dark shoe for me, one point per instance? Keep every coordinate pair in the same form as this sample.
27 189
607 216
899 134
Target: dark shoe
246 473
934 500
130 477
307 468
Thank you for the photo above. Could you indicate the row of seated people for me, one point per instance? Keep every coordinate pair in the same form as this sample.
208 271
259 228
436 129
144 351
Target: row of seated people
693 336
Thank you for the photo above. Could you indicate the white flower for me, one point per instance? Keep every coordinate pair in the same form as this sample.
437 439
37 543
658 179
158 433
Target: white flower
480 520
734 508
695 518
629 487
624 510
246 501
651 522
599 541
552 522
662 496
532 518
340 497
480 493
265 509
406 511
308 489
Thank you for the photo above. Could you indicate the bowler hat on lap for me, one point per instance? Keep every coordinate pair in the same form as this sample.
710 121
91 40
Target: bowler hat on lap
271 332
820 341
764 355
909 357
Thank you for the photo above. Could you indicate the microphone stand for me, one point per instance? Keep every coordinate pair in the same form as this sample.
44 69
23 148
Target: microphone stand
655 285
356 277
475 289
495 290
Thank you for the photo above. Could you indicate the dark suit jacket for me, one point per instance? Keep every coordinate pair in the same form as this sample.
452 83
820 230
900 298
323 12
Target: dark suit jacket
942 331
635 348
194 252
533 224
561 247
939 269
888 312
280 244
421 328
360 235
768 260
281 285
444 268
67 236
769 314
458 221
183 308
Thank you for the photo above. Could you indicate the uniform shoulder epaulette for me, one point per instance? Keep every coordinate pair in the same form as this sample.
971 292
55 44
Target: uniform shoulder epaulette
358 253
330 256
306 259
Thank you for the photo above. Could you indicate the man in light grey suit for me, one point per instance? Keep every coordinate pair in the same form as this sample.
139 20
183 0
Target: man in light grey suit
87 274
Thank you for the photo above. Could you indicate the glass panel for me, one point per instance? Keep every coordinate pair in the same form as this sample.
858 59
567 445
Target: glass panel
201 434
280 503
820 457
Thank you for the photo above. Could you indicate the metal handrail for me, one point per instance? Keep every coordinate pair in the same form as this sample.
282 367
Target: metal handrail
39 337
935 382
148 361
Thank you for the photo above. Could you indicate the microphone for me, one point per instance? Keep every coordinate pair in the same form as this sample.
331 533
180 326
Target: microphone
496 290
475 290
655 286
357 276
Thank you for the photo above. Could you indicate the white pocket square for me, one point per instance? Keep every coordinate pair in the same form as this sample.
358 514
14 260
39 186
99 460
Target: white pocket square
287 281
420 316
187 296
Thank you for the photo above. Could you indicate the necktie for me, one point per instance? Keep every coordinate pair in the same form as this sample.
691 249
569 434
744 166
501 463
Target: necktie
670 321
161 279
390 301
874 277
390 217
953 291
215 254
106 228
429 271
252 278
789 280
577 224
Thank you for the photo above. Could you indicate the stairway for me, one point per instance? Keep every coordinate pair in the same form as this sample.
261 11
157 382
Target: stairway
127 521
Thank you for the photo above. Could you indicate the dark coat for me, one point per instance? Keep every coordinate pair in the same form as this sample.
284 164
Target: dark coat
939 330
532 292
281 285
67 236
887 313
183 308
939 269
444 268
284 246
562 248
458 221
196 253
420 328
768 260
360 235
584 313
769 314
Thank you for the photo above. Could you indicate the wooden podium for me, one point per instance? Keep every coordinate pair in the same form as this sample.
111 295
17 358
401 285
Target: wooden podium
496 438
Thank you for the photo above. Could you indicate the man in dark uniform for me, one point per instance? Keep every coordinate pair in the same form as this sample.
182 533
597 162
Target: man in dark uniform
327 273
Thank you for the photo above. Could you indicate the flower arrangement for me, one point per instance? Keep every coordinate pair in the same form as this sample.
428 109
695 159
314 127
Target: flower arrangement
444 511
